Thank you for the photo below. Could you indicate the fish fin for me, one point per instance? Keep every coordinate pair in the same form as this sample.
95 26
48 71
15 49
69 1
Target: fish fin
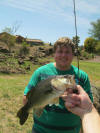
30 92
38 111
23 115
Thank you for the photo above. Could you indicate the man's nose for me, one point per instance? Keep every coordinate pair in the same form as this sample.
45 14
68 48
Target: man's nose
64 54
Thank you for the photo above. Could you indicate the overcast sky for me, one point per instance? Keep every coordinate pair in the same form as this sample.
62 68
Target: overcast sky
49 19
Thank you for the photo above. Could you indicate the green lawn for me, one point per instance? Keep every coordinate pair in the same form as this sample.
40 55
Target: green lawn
92 69
11 93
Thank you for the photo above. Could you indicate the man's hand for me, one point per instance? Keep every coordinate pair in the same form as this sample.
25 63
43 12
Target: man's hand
25 99
78 104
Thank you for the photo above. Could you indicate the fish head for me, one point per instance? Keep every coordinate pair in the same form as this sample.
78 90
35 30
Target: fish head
50 88
61 83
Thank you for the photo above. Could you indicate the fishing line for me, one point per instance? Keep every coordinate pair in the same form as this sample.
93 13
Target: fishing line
76 40
76 44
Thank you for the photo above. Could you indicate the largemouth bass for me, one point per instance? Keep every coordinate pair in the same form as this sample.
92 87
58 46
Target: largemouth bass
44 93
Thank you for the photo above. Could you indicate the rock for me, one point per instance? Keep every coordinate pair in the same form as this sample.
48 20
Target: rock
49 51
96 96
41 49
20 62
28 67
31 57
4 50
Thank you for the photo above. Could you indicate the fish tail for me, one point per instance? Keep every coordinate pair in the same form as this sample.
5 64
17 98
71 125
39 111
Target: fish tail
23 115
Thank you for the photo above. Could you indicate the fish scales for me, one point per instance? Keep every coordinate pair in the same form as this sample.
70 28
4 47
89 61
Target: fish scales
44 93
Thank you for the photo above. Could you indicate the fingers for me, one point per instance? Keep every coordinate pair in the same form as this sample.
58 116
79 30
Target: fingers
72 96
69 91
77 103
80 89
25 99
69 105
71 100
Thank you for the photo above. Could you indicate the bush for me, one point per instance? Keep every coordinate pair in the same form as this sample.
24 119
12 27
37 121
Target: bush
8 39
24 50
86 55
90 45
98 48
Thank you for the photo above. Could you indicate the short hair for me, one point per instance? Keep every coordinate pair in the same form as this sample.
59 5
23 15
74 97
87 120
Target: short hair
64 42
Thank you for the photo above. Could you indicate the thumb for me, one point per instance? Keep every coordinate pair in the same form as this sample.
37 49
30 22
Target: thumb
80 89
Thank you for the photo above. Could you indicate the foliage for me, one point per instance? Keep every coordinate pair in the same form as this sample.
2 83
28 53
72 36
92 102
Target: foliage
50 44
24 43
98 47
90 45
7 30
95 30
13 29
24 50
81 48
86 55
8 39
76 40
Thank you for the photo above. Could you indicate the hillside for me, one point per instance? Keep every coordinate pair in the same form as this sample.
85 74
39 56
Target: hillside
22 54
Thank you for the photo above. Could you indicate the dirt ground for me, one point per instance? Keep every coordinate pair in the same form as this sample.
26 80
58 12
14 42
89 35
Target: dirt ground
96 59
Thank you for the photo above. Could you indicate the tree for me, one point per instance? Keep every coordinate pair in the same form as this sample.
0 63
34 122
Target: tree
95 30
76 40
90 45
24 50
13 29
81 47
8 39
7 30
98 47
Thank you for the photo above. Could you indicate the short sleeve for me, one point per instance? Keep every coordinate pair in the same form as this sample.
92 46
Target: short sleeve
87 87
33 82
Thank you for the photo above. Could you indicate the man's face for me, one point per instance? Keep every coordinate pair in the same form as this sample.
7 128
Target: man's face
63 57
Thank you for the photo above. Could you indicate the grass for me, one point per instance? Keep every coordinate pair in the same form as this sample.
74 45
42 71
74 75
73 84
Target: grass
11 93
92 69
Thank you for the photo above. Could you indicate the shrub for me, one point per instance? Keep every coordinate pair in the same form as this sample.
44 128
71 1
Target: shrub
86 55
98 48
24 50
8 39
90 45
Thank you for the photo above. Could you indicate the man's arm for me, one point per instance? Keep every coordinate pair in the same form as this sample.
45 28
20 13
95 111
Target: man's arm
91 122
33 81
82 106
25 99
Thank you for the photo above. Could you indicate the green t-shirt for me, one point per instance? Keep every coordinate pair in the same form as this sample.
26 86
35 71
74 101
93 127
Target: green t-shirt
56 118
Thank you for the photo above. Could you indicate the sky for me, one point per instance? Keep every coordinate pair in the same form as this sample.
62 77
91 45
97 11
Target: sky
49 20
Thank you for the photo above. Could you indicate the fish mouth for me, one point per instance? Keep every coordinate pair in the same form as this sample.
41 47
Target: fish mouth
56 89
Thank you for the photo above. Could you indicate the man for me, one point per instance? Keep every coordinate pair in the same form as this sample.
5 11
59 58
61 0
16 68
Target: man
81 105
56 118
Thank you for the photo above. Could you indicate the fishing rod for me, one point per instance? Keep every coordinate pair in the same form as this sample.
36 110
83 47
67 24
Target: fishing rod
76 40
